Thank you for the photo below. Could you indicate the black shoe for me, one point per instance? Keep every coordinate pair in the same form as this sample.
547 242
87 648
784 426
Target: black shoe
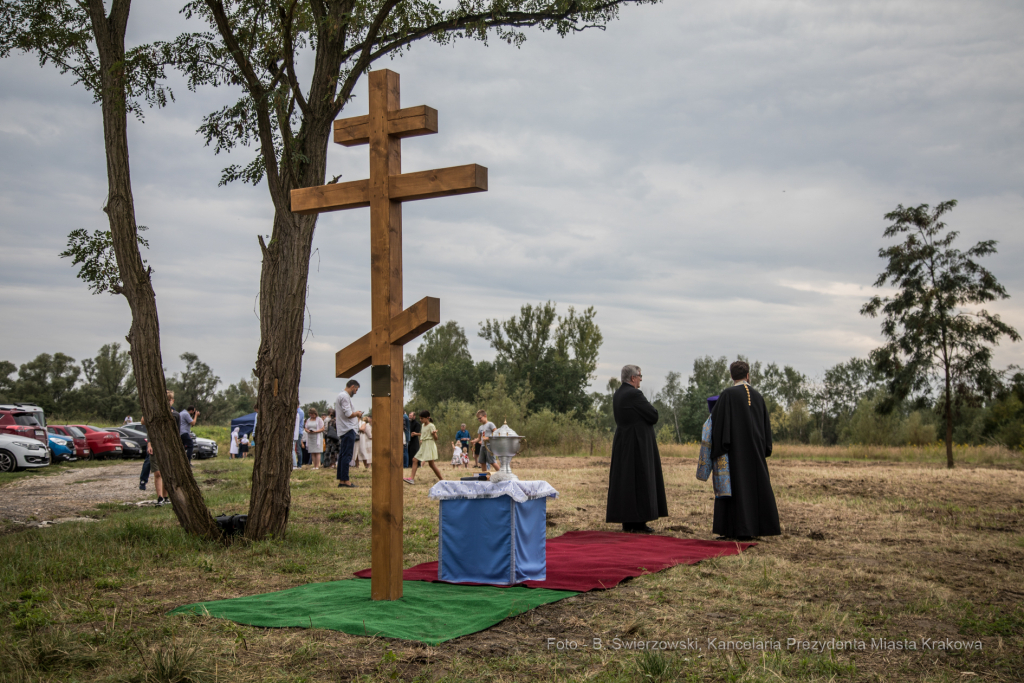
142 486
636 528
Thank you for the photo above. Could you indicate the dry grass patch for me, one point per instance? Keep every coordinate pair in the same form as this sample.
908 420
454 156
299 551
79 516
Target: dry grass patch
899 550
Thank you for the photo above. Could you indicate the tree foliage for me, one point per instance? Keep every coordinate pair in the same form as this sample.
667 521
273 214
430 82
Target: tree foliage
932 325
256 45
109 389
555 356
46 380
442 368
94 253
195 385
61 33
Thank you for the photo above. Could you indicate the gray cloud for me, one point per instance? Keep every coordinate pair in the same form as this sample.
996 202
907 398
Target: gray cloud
712 177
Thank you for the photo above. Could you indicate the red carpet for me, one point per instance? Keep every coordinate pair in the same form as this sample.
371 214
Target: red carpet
593 560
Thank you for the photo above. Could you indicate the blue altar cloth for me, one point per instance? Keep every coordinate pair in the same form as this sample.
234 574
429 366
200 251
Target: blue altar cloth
494 540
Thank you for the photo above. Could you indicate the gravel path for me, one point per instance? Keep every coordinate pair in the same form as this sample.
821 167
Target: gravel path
49 497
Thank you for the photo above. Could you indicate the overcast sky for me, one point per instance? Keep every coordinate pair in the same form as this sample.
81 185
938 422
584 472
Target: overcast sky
711 177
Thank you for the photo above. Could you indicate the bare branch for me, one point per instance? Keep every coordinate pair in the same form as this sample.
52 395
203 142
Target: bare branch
287 20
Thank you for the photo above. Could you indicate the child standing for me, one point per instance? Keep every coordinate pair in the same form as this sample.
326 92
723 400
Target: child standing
428 448
456 455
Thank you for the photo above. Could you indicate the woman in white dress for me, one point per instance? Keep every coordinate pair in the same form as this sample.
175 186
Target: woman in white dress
233 448
364 453
314 437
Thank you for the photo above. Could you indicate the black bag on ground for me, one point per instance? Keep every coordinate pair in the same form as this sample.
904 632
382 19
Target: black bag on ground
232 525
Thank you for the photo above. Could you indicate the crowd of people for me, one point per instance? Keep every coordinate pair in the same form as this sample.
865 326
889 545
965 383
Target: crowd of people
737 440
347 441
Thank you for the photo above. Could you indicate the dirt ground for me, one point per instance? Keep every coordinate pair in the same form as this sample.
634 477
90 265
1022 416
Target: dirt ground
72 491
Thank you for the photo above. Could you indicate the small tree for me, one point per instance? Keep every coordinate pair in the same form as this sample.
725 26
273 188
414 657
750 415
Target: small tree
930 332
85 39
672 397
554 355
442 368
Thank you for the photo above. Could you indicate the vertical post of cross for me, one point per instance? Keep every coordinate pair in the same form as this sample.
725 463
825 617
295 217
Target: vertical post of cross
381 349
386 302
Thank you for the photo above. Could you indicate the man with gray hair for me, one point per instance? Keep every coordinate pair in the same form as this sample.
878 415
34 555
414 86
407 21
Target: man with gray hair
636 488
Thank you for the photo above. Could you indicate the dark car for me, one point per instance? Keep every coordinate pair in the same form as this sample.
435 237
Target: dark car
202 449
133 443
82 449
25 420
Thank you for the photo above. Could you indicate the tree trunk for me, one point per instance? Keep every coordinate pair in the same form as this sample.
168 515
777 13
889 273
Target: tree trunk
279 368
144 334
949 422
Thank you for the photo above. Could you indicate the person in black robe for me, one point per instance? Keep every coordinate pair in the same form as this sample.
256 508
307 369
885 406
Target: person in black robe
636 489
414 435
741 428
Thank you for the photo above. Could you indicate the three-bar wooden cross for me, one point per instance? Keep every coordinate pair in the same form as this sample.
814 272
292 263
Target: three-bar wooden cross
393 326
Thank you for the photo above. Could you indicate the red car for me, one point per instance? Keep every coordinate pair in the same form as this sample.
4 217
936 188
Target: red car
102 443
75 434
22 419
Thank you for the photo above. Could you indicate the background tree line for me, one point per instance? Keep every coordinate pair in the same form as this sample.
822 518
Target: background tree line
103 387
843 406
544 364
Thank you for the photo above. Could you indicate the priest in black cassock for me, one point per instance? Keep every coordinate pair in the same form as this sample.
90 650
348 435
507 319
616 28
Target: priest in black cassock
740 427
636 489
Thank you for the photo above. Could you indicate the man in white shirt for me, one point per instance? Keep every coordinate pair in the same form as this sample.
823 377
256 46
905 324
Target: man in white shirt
347 420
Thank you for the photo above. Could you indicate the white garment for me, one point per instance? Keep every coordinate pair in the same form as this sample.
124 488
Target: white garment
315 442
343 410
364 447
517 490
233 448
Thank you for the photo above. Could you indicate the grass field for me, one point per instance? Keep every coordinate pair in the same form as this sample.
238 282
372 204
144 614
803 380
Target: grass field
880 544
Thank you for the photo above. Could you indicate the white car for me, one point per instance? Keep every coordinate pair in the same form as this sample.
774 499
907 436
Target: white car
18 452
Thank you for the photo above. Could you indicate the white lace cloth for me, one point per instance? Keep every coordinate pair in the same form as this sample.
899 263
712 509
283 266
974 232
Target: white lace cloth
519 491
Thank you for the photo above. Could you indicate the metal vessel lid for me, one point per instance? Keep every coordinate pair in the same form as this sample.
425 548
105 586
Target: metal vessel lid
504 430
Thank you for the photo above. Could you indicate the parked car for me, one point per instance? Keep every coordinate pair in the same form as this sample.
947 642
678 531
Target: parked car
204 448
82 449
62 448
133 443
20 452
102 443
23 419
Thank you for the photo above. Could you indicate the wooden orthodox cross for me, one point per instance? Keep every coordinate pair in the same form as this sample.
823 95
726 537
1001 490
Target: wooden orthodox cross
393 326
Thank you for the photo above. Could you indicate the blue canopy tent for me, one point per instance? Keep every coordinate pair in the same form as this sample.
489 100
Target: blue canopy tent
246 424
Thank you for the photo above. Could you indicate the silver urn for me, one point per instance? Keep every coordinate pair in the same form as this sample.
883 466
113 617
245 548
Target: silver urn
505 444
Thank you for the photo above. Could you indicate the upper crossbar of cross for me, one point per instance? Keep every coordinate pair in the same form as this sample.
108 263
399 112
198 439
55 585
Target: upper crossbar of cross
392 325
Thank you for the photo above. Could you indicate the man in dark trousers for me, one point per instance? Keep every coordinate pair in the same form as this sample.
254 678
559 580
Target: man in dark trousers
740 428
636 489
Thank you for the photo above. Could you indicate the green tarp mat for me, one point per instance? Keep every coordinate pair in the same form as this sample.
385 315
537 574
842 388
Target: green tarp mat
428 612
